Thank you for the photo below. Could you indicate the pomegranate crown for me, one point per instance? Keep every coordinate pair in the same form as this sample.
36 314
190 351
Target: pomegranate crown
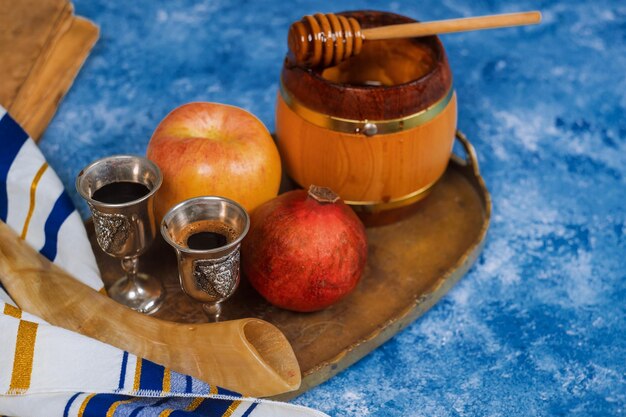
323 194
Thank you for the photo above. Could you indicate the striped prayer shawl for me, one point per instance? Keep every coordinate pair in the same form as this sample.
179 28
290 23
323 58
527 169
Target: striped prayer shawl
35 205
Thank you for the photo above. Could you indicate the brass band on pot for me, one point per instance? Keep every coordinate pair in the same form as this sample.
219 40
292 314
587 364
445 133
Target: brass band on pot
366 127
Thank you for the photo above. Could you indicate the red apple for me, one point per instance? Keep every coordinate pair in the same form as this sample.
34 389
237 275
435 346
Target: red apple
214 149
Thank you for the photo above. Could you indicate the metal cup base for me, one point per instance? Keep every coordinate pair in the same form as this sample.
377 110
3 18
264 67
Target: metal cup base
144 294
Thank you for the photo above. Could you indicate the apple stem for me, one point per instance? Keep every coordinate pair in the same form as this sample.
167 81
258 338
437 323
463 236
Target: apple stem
323 195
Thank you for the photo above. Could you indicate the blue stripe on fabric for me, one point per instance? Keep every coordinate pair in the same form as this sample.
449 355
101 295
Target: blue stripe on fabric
151 376
148 404
136 411
12 138
60 212
213 408
160 402
123 370
224 391
66 411
189 382
181 413
100 404
249 410
175 403
184 413
178 382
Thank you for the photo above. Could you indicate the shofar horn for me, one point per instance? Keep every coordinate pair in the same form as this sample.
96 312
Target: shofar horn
250 356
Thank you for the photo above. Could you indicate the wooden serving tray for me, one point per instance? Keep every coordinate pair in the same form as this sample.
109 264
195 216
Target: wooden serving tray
411 265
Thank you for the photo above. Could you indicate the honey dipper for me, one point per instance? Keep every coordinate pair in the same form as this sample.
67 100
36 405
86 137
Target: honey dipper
325 40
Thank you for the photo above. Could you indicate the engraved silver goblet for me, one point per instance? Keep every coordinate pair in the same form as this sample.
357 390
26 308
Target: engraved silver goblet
124 222
209 275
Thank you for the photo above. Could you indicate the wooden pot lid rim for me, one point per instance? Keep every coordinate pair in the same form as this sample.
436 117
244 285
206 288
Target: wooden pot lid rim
355 102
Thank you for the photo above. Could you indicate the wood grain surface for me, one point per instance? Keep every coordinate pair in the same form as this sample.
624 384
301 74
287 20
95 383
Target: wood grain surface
372 170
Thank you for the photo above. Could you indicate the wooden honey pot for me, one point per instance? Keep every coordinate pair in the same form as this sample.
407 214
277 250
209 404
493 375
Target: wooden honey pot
378 128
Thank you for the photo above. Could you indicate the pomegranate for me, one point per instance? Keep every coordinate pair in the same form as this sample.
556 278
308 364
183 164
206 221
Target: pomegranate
305 250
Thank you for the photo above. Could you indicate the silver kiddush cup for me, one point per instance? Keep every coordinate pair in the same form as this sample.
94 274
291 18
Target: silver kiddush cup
209 274
124 222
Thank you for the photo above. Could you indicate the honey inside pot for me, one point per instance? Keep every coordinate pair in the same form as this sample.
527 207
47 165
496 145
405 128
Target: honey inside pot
384 63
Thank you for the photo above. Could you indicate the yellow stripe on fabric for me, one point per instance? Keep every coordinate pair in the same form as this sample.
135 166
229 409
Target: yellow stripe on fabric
213 390
33 192
166 412
12 311
167 380
23 359
137 375
194 404
81 410
111 410
230 410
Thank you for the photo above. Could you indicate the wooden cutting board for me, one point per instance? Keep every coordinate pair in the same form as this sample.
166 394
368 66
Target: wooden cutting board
42 47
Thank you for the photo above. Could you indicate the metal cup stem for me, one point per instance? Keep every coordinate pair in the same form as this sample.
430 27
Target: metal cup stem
213 311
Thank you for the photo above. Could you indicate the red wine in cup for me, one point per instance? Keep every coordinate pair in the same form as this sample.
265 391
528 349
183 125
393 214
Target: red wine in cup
120 192
206 235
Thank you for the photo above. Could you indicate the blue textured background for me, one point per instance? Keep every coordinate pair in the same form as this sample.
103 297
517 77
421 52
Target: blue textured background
537 326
